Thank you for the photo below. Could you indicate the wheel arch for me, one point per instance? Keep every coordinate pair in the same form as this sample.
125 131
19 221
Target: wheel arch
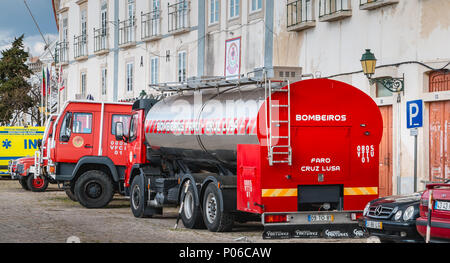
88 163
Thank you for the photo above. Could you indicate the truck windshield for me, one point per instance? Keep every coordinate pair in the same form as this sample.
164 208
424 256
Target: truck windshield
133 127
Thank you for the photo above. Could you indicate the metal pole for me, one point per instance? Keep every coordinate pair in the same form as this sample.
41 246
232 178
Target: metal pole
415 162
430 210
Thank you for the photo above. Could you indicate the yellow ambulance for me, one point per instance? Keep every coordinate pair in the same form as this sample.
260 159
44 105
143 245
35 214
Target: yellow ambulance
17 142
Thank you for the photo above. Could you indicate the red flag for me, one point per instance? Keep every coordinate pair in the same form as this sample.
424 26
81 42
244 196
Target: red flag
60 79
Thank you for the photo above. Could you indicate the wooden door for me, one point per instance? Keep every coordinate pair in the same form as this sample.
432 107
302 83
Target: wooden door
385 169
439 140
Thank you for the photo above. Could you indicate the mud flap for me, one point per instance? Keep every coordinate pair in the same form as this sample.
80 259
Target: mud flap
314 231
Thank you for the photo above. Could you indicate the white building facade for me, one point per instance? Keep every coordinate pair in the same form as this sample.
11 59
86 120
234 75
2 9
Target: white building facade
114 49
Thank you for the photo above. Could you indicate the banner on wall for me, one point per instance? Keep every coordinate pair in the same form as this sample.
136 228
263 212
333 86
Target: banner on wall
233 57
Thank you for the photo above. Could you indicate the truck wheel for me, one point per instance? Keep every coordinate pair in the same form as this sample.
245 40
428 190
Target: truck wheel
191 214
70 193
94 189
215 220
38 184
138 200
23 182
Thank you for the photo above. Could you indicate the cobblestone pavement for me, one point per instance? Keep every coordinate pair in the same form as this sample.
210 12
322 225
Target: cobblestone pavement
27 217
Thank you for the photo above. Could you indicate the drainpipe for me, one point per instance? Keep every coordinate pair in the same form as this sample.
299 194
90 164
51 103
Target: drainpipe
268 37
201 39
116 50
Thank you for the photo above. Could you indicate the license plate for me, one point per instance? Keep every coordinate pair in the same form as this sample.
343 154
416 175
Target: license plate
320 218
374 224
439 205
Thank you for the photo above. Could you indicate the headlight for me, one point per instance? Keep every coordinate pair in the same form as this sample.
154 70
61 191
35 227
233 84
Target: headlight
409 212
398 215
366 209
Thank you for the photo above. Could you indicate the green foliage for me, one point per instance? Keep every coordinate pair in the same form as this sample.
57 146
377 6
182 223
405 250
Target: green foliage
14 88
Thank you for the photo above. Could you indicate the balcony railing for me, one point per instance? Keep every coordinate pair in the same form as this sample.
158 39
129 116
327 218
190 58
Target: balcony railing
300 15
80 46
101 40
127 32
62 52
330 10
178 16
151 25
372 4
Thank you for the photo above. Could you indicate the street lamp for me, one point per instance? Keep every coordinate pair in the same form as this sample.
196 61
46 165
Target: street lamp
395 85
368 63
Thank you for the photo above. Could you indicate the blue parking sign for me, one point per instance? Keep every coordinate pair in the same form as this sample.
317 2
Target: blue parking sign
414 114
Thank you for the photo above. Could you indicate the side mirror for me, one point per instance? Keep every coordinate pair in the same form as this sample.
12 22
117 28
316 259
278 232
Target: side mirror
119 131
65 138
39 143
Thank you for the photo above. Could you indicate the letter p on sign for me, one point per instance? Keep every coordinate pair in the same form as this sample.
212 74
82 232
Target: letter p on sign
414 114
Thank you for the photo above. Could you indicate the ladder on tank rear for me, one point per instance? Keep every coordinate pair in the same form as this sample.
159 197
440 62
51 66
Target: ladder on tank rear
278 152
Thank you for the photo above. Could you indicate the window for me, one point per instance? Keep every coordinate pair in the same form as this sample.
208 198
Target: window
234 8
130 8
182 66
127 26
83 84
256 5
178 15
300 15
104 15
329 7
214 7
439 81
130 76
65 126
154 70
133 127
82 123
104 72
155 5
65 29
382 91
83 22
124 119
150 22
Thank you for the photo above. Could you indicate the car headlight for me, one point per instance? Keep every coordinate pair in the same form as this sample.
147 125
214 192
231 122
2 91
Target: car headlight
398 215
409 212
366 209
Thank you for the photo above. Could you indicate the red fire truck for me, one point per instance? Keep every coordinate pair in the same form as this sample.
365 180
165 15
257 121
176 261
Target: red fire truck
84 154
302 157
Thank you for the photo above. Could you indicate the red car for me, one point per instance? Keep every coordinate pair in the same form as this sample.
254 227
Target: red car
440 213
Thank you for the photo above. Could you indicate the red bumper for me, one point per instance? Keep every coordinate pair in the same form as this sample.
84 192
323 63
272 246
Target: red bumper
440 229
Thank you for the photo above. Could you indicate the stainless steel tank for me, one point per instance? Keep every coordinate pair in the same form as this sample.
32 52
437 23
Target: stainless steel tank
203 128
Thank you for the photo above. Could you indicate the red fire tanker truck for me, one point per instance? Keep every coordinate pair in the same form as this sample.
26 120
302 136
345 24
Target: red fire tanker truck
84 154
303 157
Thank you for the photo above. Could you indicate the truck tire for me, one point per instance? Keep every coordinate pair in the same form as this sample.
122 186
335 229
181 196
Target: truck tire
138 200
38 184
70 193
94 189
191 214
23 182
215 219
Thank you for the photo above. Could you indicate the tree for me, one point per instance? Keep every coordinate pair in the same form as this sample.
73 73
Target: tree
15 99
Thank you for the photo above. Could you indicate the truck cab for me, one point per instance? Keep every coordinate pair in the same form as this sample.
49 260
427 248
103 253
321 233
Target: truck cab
85 156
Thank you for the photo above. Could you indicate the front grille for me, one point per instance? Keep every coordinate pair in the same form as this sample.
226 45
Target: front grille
381 212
